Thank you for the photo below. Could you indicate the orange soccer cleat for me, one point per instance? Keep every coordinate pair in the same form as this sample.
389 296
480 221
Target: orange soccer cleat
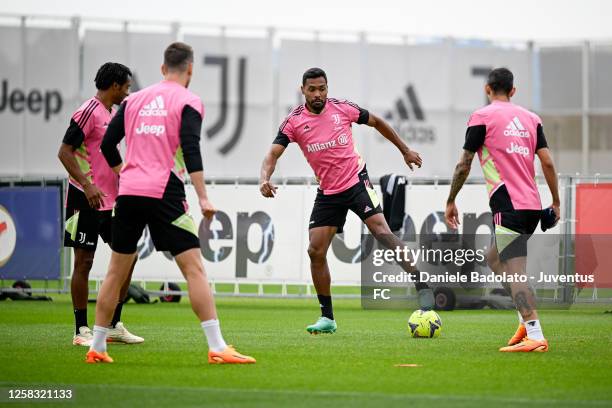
527 345
521 333
94 356
228 356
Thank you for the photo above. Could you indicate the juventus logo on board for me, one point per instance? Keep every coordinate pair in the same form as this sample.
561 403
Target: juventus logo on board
217 127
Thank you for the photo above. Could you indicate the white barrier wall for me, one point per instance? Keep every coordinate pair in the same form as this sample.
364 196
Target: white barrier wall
39 83
426 87
257 239
234 78
248 85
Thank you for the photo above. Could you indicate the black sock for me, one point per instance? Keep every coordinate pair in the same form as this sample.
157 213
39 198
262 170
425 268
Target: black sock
420 285
80 318
117 315
326 306
417 284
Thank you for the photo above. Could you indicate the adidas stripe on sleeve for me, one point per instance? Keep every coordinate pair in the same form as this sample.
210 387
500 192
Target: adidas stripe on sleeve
285 131
79 125
74 135
353 111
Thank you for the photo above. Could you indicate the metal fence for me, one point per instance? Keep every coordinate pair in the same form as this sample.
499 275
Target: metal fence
566 257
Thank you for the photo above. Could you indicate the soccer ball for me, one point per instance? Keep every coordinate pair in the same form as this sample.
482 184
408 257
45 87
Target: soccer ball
425 323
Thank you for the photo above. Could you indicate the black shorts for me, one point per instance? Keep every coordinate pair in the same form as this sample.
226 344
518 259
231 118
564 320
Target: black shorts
512 231
172 228
83 223
330 210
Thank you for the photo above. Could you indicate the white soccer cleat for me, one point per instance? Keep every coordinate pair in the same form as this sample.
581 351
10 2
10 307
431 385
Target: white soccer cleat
119 334
84 338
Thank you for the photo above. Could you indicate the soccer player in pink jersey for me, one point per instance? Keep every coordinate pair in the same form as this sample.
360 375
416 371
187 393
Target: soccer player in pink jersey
322 129
507 137
161 125
91 195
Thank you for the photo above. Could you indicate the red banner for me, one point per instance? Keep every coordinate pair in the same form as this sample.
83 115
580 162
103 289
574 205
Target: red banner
594 233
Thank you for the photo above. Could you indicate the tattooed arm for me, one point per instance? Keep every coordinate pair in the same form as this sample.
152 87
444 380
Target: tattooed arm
462 171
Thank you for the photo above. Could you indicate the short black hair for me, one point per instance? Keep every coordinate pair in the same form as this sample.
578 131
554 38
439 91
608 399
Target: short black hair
313 73
178 56
110 73
501 80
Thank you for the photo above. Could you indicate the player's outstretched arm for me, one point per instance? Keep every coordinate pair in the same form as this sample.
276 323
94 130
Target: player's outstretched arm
410 157
267 168
189 136
462 171
550 174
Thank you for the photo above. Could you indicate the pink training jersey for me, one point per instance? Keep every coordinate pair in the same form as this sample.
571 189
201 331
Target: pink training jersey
507 155
152 121
93 118
326 139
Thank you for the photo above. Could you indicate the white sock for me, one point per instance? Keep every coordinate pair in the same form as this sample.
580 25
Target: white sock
521 321
212 331
534 330
99 339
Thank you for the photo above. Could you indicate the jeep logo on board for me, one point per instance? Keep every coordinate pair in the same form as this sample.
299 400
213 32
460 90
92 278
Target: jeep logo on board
36 101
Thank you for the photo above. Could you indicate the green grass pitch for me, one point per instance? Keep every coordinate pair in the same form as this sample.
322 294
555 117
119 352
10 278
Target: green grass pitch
355 367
